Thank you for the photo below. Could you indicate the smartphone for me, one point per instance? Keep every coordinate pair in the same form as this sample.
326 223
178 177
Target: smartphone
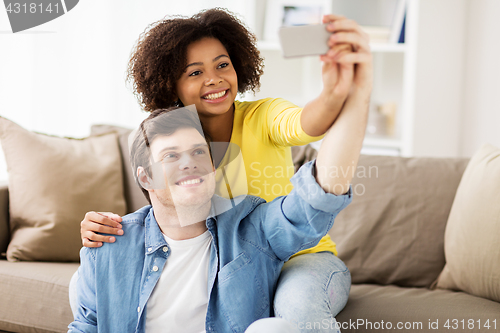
304 40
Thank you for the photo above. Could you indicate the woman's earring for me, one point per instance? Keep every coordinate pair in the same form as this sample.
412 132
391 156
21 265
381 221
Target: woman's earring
178 103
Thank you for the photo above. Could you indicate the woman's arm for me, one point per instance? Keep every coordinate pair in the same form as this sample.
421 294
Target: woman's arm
104 223
319 114
342 144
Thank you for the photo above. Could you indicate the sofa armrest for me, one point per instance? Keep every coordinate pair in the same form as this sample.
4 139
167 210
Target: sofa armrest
4 219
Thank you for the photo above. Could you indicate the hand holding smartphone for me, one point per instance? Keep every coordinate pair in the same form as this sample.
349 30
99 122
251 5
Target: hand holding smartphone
304 40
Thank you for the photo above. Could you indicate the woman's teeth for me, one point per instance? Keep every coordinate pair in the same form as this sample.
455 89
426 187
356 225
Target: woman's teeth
216 95
191 181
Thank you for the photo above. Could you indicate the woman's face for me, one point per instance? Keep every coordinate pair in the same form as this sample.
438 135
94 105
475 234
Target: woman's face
209 80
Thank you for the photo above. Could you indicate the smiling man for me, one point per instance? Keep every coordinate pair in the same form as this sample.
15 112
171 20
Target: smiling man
191 262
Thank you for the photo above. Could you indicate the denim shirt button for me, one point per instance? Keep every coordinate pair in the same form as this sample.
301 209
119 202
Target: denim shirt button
150 249
155 268
165 249
139 309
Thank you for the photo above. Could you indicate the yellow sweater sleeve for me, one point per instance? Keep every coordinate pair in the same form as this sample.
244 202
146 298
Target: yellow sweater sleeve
277 121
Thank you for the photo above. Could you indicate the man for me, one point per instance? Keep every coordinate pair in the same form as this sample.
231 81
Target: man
183 266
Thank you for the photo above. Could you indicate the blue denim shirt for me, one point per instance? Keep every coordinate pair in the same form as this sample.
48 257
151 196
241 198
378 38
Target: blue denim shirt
250 244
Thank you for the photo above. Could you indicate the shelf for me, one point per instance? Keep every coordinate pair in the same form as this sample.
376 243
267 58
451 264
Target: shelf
382 142
371 143
375 47
388 47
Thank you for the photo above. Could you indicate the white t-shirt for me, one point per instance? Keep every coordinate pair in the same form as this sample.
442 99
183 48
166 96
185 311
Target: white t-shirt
180 298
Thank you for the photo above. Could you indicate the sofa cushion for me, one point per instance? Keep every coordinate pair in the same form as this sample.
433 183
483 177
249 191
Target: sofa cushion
34 296
412 306
53 182
393 231
4 219
133 194
471 241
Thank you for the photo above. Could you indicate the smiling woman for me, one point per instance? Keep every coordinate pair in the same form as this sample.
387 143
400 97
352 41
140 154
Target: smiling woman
161 44
210 84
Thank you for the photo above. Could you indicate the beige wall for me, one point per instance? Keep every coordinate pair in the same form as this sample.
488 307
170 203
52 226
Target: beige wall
481 119
439 77
457 88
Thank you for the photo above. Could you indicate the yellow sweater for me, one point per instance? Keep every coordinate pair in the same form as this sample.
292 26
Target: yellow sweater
264 131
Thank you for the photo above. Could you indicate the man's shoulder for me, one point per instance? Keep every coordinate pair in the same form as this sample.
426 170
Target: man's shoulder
136 218
131 223
238 208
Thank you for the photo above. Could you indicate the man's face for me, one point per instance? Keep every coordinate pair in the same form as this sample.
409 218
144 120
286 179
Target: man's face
183 164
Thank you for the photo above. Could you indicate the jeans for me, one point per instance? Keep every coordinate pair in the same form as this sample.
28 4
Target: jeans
73 300
312 289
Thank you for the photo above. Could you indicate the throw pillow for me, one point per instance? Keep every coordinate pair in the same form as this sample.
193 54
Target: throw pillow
471 242
133 194
53 182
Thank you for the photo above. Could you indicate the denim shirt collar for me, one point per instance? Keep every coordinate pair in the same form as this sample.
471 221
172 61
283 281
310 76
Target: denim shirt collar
221 205
154 239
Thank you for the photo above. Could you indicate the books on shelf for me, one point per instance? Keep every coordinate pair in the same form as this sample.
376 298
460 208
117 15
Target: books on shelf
402 34
395 33
398 23
377 34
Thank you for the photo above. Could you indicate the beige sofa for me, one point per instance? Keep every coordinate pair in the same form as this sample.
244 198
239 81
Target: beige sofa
391 238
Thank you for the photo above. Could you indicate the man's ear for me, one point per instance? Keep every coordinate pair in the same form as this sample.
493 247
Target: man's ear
145 181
